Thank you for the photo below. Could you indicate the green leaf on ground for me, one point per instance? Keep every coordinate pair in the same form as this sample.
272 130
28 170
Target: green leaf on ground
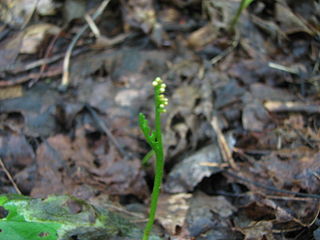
60 218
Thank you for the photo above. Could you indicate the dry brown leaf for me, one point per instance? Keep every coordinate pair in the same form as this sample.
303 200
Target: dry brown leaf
202 36
172 211
258 231
139 14
255 117
16 152
189 172
10 92
34 35
289 22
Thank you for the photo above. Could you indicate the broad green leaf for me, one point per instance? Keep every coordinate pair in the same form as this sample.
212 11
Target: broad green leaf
59 218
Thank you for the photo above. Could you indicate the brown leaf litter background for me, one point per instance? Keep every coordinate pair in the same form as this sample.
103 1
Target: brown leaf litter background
241 131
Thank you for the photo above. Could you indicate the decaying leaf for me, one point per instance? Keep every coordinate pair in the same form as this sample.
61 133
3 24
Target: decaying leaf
34 35
258 231
172 211
289 22
18 12
203 36
15 151
10 92
189 172
208 216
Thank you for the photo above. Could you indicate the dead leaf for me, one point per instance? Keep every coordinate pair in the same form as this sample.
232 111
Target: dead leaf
47 7
205 217
264 92
139 14
73 9
189 172
202 36
258 231
255 117
54 176
9 51
10 92
34 35
17 12
289 22
172 211
16 152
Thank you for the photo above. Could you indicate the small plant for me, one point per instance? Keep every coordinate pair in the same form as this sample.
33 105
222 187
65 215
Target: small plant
154 139
243 5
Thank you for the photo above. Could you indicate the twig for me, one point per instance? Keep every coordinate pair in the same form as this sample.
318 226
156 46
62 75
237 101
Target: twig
47 53
9 177
224 148
103 126
25 78
22 67
272 189
123 210
92 26
277 106
226 52
66 62
279 67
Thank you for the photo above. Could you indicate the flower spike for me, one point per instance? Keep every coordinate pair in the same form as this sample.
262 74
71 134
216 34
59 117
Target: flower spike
154 139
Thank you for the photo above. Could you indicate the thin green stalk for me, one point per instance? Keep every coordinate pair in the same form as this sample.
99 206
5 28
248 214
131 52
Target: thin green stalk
154 139
243 5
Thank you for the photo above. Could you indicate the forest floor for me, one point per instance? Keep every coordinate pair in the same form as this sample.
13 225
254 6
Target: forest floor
242 128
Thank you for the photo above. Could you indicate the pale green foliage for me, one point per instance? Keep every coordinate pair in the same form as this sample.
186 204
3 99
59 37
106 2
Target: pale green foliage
59 218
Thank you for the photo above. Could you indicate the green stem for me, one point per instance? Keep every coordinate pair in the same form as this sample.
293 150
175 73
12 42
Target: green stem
158 170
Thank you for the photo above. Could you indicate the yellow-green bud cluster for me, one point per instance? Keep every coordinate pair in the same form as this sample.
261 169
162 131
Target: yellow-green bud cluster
163 101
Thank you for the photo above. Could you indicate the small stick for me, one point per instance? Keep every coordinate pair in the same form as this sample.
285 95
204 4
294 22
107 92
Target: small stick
66 62
92 25
47 54
225 150
272 189
9 177
25 78
283 68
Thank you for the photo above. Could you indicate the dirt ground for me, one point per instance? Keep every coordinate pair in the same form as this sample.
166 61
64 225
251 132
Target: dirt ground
242 128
